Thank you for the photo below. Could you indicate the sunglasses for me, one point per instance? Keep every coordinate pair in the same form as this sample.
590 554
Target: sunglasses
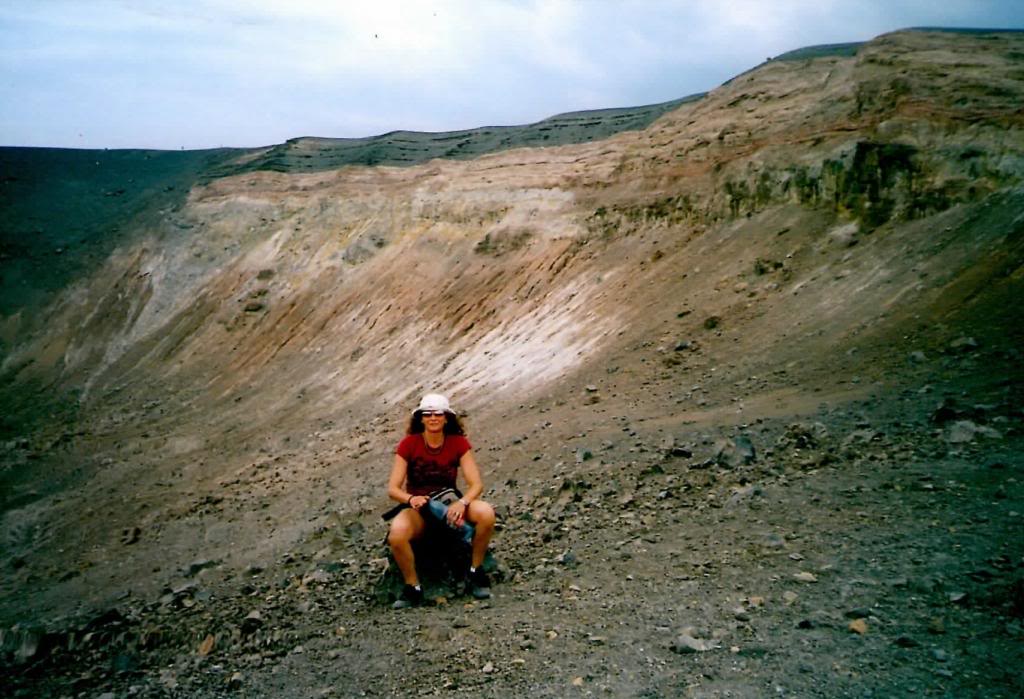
432 413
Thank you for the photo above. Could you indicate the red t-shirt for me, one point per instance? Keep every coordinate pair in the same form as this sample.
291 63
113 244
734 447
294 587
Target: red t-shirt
431 469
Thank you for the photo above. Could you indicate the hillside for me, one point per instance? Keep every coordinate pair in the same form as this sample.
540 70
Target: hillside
744 381
62 210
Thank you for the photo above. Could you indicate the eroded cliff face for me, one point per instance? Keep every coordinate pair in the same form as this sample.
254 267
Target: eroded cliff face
430 267
797 224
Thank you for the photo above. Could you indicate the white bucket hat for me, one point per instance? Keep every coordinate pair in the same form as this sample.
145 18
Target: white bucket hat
435 401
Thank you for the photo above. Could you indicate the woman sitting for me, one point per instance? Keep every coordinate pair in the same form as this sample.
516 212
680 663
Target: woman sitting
428 459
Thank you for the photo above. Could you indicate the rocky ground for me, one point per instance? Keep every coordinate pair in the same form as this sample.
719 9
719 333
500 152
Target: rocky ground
868 547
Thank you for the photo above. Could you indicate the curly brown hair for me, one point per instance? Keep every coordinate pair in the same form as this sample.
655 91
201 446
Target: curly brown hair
452 424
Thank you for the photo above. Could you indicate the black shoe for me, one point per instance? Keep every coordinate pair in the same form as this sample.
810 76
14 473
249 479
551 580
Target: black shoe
478 584
410 597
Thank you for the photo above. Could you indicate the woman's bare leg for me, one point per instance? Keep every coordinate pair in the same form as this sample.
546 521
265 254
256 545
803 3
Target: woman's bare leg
481 515
406 527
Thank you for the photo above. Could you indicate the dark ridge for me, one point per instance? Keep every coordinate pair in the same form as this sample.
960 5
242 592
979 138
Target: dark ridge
964 30
403 148
850 48
820 51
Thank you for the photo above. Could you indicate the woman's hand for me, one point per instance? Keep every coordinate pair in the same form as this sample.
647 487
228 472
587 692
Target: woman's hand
456 513
417 501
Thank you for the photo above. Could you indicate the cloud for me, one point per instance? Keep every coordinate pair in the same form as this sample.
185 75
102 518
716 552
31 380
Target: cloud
259 71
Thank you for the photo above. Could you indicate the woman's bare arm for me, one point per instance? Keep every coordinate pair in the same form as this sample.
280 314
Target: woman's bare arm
396 481
471 473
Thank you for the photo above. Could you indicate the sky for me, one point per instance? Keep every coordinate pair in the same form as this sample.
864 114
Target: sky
244 73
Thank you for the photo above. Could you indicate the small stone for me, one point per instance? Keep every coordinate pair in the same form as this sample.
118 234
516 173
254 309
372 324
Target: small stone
940 655
858 613
964 344
168 678
686 643
583 455
789 597
805 577
355 531
858 626
946 411
488 668
740 614
552 635
196 566
577 682
207 645
736 452
29 643
845 235
963 431
317 576
936 626
690 641
235 681
796 556
597 640
567 558
125 663
252 622
756 601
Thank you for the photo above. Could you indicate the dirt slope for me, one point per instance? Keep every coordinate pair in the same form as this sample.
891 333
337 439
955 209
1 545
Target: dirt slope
774 334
